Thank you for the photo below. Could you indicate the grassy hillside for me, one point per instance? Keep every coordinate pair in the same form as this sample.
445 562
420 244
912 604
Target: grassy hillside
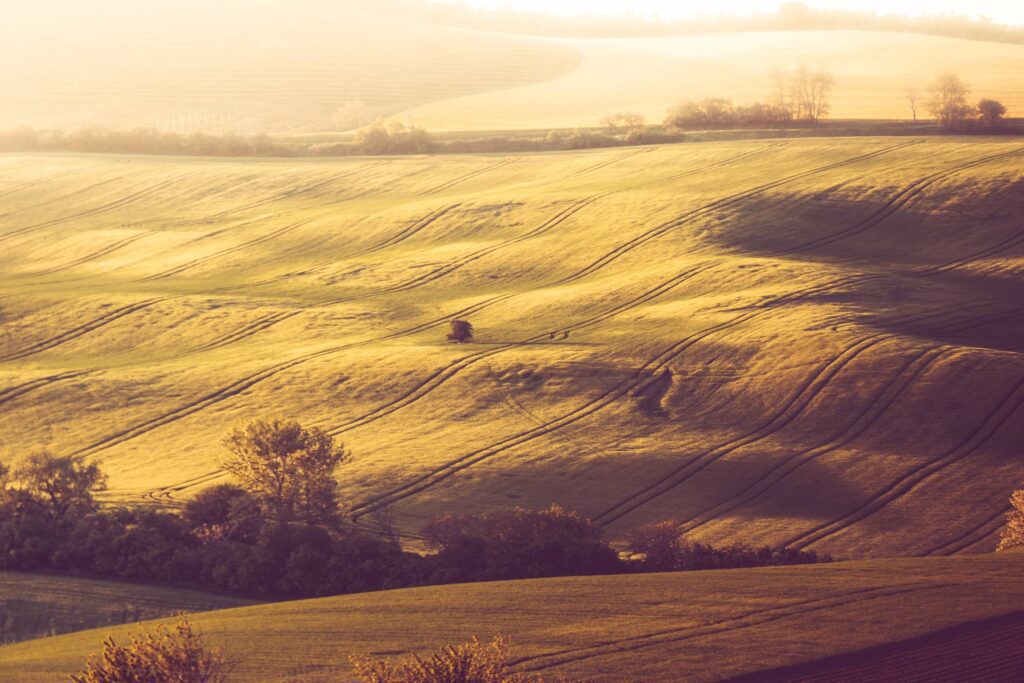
655 627
33 605
650 75
814 342
244 65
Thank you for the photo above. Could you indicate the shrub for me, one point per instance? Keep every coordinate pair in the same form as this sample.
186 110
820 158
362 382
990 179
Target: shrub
664 549
461 331
470 662
1013 535
517 543
178 656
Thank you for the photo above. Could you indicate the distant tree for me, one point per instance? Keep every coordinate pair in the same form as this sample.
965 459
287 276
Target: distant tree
160 656
351 114
57 484
948 101
991 112
461 331
913 96
1013 535
810 91
392 138
288 468
624 122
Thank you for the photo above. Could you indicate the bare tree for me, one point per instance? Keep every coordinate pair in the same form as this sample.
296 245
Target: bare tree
913 96
623 122
948 102
810 92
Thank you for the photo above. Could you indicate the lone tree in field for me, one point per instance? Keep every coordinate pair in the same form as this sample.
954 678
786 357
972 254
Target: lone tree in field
913 96
461 331
290 469
948 103
1013 535
991 112
162 655
57 485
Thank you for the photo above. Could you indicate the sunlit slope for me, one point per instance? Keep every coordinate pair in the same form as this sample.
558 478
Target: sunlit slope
654 627
33 605
244 65
816 343
650 75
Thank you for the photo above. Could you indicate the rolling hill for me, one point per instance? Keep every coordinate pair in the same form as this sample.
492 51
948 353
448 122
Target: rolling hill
305 66
815 343
696 626
36 605
651 75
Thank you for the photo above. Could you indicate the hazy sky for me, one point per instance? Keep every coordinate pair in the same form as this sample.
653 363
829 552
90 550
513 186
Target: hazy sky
1001 11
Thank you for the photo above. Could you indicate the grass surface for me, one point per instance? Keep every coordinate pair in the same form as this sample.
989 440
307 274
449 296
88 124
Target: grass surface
655 627
812 342
34 605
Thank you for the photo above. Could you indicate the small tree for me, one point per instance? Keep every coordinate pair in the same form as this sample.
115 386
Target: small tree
810 92
461 331
660 543
1013 535
288 468
623 122
948 103
991 112
58 484
161 655
913 96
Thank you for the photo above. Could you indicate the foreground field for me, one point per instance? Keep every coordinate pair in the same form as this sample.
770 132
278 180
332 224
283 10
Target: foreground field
654 627
32 606
813 343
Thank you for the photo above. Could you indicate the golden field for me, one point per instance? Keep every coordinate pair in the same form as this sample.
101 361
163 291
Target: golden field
694 626
815 343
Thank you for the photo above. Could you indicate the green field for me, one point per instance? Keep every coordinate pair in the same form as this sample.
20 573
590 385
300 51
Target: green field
34 605
812 342
654 627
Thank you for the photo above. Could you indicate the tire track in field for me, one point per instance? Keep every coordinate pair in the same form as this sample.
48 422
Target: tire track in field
718 205
194 263
871 413
105 208
252 379
894 204
43 181
466 177
868 416
965 540
608 162
749 619
109 249
11 393
806 393
81 330
287 194
449 371
268 321
1003 411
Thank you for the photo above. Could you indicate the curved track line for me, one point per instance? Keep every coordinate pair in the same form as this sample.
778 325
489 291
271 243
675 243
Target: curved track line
109 249
81 330
718 205
752 618
11 393
110 206
287 194
965 540
609 162
251 380
877 405
1004 410
466 177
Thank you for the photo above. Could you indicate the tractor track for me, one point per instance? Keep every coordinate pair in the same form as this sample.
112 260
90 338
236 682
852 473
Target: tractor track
750 619
11 393
1003 411
466 177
